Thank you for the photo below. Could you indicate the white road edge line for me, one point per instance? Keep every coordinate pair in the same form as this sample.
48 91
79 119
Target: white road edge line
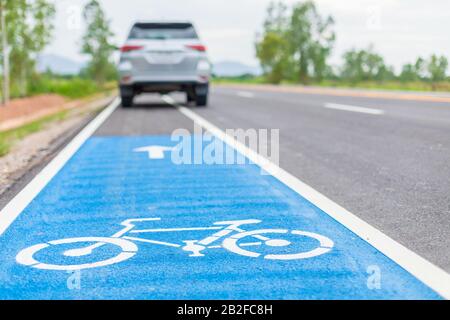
344 107
15 207
431 275
245 94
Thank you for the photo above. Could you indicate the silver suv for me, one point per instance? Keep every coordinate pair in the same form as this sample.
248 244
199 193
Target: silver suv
163 57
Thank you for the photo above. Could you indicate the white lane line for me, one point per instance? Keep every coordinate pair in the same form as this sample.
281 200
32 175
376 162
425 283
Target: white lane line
245 94
344 107
431 275
15 207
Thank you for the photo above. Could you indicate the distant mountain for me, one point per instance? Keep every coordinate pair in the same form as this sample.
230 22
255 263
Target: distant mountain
234 69
58 64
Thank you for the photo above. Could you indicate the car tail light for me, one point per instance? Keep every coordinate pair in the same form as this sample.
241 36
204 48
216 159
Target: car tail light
129 48
126 79
197 47
204 78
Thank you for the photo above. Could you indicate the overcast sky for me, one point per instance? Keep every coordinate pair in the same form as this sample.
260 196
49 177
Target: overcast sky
401 30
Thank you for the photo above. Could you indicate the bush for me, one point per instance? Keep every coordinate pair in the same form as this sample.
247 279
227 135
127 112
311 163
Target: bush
68 87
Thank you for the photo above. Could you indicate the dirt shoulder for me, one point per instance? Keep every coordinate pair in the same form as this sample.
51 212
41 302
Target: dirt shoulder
35 148
19 112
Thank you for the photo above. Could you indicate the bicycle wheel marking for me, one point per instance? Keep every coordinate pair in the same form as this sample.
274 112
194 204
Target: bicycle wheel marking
26 256
326 245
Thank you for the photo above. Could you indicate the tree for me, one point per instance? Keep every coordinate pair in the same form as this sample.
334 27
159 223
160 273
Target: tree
96 43
272 53
408 73
437 68
28 27
413 71
311 40
365 65
277 18
272 49
5 53
295 44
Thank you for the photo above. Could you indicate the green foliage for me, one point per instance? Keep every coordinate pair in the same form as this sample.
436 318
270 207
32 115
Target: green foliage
272 52
311 40
296 43
245 79
437 68
365 65
412 72
432 70
29 29
273 49
97 45
4 147
409 73
72 88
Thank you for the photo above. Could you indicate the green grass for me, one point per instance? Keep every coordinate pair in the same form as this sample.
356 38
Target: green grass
8 138
240 80
72 88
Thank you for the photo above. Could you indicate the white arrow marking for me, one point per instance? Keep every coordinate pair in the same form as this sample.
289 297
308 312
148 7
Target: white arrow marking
154 152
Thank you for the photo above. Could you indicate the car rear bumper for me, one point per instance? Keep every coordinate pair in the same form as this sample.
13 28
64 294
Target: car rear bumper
163 87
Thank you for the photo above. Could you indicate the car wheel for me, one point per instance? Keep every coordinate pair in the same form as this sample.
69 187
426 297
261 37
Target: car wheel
202 101
127 102
190 97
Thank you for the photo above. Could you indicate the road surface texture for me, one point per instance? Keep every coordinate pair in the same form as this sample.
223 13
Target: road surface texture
387 161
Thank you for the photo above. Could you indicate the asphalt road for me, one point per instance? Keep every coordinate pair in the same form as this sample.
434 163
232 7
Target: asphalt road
389 165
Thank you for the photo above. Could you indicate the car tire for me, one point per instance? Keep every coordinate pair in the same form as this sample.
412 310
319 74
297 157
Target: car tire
190 97
201 95
202 100
127 102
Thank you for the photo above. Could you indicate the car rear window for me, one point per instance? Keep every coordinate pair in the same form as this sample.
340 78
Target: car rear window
163 31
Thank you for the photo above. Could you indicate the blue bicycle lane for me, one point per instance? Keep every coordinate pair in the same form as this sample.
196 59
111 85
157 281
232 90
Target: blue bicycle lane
106 183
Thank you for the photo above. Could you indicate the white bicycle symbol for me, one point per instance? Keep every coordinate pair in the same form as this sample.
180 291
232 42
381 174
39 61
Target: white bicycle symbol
229 233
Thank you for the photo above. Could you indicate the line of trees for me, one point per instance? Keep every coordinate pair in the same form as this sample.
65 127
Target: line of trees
27 28
297 42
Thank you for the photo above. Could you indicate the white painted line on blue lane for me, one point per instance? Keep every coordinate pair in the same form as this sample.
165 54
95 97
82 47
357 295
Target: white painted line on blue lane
13 209
344 107
431 275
